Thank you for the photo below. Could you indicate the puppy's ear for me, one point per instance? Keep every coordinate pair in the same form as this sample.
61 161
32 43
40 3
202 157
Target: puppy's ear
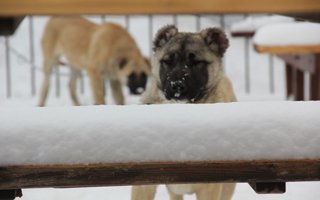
216 39
164 35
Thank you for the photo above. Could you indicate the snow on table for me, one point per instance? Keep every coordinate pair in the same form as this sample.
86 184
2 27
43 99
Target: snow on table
251 24
179 132
282 34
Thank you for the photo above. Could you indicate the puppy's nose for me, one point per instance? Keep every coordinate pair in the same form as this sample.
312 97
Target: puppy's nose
178 87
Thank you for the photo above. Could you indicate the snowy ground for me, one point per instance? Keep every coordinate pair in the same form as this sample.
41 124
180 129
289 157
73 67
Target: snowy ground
235 69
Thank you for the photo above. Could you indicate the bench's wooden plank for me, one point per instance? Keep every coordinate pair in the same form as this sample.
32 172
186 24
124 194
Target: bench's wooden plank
154 173
292 49
41 7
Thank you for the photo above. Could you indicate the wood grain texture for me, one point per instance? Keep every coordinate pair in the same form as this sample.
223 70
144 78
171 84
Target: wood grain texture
71 7
290 49
42 176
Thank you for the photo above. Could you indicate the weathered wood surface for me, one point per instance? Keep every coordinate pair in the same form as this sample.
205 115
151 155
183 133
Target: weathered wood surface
154 173
45 7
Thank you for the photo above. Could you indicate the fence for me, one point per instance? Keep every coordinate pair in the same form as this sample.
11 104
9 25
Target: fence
241 63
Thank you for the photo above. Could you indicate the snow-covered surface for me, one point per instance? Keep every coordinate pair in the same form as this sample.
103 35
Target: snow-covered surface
251 24
137 133
297 33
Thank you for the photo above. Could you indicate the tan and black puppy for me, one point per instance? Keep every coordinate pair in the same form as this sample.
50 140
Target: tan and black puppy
186 67
105 51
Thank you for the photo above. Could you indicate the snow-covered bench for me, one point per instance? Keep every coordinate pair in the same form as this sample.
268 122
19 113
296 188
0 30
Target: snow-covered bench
298 44
259 143
246 29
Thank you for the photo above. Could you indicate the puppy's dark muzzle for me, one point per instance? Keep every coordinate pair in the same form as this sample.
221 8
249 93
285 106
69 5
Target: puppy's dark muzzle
137 83
137 91
178 87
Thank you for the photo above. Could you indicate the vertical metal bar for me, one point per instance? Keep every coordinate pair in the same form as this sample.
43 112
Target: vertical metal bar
271 73
81 77
222 21
8 67
127 22
175 20
198 22
247 64
103 19
32 58
150 35
222 24
57 77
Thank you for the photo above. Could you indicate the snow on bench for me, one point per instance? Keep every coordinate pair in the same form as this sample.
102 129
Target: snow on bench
297 37
298 44
145 144
250 24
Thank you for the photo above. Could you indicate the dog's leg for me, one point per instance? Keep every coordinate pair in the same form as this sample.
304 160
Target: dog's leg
47 70
73 85
143 192
117 94
227 191
210 192
97 82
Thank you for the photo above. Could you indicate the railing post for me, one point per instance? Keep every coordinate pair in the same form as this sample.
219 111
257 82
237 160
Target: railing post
32 56
8 66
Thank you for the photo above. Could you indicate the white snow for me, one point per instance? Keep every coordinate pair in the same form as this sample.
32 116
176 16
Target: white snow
251 24
282 34
137 133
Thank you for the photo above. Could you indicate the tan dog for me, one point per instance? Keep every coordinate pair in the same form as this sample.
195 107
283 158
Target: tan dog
104 51
187 68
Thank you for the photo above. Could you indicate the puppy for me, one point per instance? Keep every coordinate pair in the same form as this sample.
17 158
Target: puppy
186 67
105 51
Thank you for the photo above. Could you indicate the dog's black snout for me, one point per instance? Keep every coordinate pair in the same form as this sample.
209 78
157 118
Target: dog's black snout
178 86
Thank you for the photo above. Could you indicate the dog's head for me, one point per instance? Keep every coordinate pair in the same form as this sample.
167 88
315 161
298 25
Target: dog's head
187 65
133 72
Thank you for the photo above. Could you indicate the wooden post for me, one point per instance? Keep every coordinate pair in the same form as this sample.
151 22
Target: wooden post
289 78
268 187
298 87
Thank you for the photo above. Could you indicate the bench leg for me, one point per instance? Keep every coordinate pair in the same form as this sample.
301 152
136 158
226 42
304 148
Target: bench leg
298 85
268 187
289 76
315 87
10 194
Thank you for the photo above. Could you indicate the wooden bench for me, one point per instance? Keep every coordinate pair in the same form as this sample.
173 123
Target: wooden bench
266 172
246 29
298 59
264 176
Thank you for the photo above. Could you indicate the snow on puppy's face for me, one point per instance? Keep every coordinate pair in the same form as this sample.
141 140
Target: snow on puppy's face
188 65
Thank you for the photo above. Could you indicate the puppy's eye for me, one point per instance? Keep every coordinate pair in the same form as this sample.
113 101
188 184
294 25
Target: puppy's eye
166 62
199 62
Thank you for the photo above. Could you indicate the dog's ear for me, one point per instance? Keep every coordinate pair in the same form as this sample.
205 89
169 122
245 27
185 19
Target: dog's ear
164 35
216 39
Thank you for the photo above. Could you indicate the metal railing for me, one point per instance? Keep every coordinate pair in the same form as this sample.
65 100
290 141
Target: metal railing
35 68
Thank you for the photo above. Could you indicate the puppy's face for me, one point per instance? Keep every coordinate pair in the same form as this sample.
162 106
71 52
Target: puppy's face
134 73
187 65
